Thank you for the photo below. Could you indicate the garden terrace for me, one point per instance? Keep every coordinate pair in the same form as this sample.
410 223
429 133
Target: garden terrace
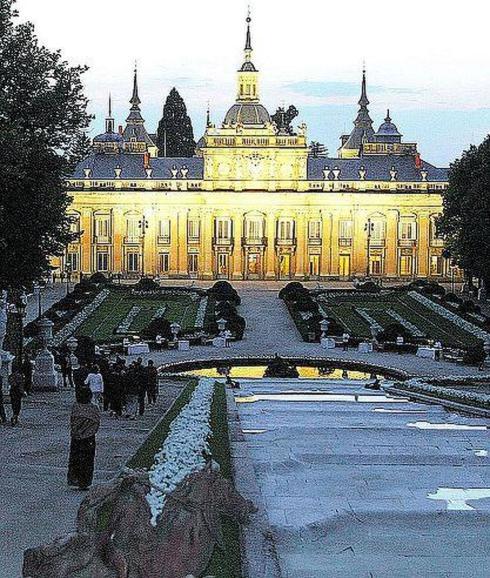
363 313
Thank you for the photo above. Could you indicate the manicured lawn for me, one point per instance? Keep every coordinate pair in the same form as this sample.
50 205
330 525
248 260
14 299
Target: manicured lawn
101 325
431 324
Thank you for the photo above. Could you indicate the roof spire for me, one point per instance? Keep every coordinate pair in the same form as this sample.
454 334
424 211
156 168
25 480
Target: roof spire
208 117
388 117
135 99
109 121
110 105
363 101
248 40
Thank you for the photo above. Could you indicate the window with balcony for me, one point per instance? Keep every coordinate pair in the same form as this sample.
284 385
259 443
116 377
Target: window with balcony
407 230
222 229
193 229
164 231
285 229
102 228
254 229
345 233
314 231
133 230
378 232
72 261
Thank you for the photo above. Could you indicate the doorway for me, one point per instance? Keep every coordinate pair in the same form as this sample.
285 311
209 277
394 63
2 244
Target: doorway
344 266
285 266
254 266
223 266
314 266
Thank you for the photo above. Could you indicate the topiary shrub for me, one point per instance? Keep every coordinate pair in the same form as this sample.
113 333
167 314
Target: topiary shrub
146 284
368 287
279 367
306 304
85 286
474 355
225 308
98 278
159 326
451 298
334 327
467 307
433 289
392 331
292 290
223 291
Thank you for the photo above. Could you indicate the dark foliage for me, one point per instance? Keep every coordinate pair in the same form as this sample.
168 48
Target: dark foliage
368 287
433 289
392 331
465 223
305 303
175 136
98 278
474 355
292 290
451 298
223 291
146 284
86 349
467 307
42 122
159 326
279 367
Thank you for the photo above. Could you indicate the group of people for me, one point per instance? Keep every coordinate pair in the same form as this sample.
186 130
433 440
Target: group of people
120 388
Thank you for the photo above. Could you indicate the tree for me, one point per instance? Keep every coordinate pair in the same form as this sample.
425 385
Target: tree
42 122
175 136
283 119
317 149
465 223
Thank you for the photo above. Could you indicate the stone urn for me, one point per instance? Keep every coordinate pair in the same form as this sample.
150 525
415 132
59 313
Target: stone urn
45 377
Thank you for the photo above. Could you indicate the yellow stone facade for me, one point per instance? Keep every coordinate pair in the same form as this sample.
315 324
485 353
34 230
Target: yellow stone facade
252 205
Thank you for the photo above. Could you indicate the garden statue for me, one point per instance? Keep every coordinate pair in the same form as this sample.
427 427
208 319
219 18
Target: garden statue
45 377
127 545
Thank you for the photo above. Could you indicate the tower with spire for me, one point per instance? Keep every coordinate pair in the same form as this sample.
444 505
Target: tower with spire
136 138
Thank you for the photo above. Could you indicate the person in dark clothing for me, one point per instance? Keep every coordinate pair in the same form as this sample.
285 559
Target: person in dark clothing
117 391
151 382
108 388
131 391
16 382
84 424
3 416
80 375
27 371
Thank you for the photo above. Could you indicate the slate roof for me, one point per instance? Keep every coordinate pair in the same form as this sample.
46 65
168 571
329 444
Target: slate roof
103 165
377 169
247 113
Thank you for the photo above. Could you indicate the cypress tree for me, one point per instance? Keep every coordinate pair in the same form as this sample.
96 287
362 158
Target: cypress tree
175 136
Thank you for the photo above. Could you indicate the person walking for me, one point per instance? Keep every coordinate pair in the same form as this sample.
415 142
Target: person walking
151 382
16 382
117 396
345 341
95 383
27 371
84 425
3 416
131 391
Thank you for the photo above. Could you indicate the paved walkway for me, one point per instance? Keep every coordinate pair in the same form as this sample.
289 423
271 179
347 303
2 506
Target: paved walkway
346 482
36 505
270 330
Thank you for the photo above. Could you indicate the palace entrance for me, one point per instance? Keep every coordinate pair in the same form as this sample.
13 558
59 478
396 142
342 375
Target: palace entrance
285 266
253 266
223 265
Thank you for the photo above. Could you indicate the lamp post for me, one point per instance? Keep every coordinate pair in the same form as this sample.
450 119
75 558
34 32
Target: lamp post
368 227
20 309
38 294
143 225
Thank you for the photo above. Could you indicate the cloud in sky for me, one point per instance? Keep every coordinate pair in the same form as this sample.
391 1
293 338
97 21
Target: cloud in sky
427 65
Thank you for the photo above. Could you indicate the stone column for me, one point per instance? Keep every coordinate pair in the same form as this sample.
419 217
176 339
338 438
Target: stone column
334 244
359 243
300 245
423 244
207 223
326 256
182 243
174 243
118 240
86 223
391 252
271 265
151 241
237 247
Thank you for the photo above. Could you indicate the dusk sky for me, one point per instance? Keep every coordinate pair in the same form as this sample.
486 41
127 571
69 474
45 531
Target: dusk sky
428 62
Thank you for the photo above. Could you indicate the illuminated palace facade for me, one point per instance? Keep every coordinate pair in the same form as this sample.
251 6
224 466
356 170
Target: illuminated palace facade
254 204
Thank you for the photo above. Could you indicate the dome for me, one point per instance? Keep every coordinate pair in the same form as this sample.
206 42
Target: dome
247 113
248 66
108 137
388 132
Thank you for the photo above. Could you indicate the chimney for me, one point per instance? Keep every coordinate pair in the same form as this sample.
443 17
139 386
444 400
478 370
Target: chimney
418 161
146 160
120 129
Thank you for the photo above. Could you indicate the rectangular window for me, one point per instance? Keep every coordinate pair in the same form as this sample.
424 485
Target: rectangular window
164 230
164 262
285 229
314 230
102 261
223 229
193 262
193 229
345 229
72 261
102 227
254 229
406 265
133 262
408 230
436 265
133 230
378 230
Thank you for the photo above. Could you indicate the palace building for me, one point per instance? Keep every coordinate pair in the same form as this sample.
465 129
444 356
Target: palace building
254 203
